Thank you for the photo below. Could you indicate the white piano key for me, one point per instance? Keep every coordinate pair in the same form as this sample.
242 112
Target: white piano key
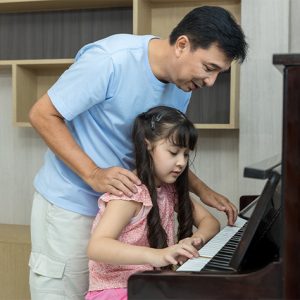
215 244
194 264
240 222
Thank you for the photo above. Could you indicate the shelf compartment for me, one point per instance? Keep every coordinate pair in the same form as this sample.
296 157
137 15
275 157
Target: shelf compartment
158 17
30 80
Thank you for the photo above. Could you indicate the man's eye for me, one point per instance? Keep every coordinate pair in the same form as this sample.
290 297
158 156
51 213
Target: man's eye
208 69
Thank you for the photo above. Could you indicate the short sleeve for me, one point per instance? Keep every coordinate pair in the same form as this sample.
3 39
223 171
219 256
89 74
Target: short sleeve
142 196
87 82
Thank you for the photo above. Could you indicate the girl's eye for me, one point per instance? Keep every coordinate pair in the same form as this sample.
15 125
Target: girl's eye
173 153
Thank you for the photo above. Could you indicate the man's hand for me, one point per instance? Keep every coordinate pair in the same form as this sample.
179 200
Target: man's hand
213 199
114 180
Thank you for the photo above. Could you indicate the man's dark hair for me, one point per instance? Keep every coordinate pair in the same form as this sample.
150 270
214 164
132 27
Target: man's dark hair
207 25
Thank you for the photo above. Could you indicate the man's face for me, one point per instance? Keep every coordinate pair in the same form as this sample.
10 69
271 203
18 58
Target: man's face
198 68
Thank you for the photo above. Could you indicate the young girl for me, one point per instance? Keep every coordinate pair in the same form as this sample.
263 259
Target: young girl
136 233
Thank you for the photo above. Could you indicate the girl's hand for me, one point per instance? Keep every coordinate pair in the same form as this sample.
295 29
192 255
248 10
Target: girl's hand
196 242
172 254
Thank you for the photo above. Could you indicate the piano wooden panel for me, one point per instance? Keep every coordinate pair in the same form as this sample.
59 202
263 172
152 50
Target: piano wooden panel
263 284
291 171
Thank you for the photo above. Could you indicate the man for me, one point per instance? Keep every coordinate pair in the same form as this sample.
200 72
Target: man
85 119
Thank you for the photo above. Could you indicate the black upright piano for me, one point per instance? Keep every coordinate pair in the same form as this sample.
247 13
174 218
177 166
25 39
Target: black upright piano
262 259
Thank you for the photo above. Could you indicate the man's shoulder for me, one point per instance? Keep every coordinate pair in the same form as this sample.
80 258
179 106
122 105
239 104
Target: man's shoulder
114 46
117 42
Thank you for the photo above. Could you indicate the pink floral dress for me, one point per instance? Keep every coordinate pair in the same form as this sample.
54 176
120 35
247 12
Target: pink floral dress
106 276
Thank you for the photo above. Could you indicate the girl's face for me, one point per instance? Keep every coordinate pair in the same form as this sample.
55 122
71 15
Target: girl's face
169 160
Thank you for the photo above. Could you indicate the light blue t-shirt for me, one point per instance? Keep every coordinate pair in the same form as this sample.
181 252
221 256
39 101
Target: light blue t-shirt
99 96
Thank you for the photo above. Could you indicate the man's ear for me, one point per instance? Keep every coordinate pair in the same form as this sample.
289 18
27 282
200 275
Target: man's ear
182 44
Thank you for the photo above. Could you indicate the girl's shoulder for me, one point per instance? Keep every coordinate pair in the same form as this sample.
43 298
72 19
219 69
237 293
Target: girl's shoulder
142 196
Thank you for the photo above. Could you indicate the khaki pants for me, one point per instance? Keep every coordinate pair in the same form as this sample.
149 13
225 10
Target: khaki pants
58 262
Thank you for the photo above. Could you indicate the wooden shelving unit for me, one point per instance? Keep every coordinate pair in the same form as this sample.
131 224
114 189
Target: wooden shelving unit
31 78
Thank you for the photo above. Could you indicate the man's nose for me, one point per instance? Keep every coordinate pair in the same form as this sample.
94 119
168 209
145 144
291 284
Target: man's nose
210 80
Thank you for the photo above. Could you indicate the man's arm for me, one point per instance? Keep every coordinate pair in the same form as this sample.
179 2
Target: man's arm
211 198
49 123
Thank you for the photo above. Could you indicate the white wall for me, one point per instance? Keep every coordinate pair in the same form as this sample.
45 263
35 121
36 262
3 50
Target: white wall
21 153
266 25
216 163
294 26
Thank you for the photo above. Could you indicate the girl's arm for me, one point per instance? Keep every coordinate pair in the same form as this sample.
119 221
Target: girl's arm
105 247
207 225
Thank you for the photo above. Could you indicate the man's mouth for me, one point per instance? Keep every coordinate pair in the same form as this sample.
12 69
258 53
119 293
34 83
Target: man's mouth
196 85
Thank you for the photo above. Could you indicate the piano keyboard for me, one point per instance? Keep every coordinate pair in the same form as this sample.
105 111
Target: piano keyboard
217 253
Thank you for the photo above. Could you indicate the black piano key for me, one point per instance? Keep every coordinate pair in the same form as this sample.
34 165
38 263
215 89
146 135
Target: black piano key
225 256
230 246
217 267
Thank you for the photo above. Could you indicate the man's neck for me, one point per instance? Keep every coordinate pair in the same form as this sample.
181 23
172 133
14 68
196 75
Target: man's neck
159 58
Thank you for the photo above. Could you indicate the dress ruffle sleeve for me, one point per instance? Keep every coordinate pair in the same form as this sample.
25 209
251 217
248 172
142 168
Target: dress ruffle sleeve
142 196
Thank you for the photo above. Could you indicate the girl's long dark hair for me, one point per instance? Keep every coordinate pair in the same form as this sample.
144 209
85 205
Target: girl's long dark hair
158 123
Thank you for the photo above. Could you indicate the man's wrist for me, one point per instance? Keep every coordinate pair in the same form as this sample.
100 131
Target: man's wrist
94 172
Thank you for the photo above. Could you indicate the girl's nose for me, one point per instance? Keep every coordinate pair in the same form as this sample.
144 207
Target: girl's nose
181 161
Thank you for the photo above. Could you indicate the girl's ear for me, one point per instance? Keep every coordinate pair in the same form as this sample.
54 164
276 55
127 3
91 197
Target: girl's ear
148 144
